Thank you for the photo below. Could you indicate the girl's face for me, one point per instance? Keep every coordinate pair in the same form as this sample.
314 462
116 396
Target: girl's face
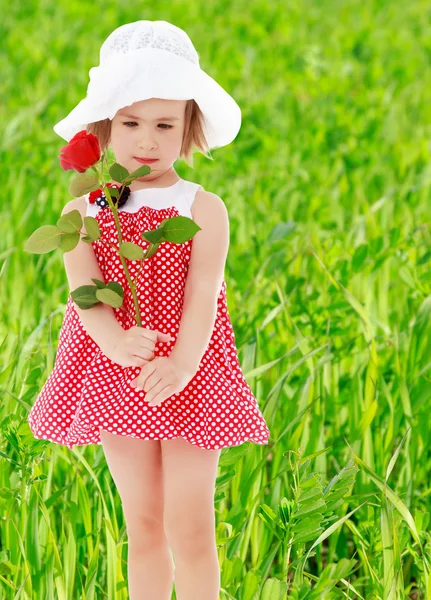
143 130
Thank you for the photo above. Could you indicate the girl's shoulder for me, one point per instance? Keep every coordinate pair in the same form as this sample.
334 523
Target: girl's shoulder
76 204
208 205
191 191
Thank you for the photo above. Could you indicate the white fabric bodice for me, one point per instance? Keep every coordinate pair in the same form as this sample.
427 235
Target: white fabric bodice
181 195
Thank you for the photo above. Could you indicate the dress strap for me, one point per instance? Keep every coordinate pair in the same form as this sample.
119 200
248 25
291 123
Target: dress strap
190 190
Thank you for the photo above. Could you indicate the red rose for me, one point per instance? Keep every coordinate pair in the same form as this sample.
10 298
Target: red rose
81 153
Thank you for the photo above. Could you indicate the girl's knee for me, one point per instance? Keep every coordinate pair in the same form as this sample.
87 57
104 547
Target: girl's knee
144 532
192 538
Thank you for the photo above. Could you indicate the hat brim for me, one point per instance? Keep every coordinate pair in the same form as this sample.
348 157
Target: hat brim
154 73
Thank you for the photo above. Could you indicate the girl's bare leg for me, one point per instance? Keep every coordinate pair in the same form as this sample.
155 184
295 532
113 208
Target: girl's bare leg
136 469
189 474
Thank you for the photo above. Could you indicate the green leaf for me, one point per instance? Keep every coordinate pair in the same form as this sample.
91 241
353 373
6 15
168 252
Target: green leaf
309 507
85 296
114 285
285 509
309 480
334 504
231 456
83 183
154 235
359 257
100 284
312 522
114 193
43 240
92 228
340 486
179 229
311 493
273 521
69 241
118 172
306 536
249 586
152 250
333 527
70 222
274 589
393 497
140 172
347 475
131 251
343 568
227 475
110 297
331 575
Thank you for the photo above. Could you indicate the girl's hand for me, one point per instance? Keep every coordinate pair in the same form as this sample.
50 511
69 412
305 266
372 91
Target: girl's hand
134 347
161 378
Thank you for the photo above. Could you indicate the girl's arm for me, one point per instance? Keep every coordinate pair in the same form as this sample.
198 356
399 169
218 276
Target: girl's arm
81 265
204 280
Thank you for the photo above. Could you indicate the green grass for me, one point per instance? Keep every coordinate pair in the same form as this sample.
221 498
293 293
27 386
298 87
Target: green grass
328 279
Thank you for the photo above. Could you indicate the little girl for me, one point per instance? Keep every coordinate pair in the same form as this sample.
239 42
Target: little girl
163 399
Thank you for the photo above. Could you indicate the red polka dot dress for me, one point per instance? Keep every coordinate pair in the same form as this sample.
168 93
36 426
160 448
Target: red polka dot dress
86 391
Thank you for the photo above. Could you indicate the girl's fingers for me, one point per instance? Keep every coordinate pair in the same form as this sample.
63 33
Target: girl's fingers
154 398
150 382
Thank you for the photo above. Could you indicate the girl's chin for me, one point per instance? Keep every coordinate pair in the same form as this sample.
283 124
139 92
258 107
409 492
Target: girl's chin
144 177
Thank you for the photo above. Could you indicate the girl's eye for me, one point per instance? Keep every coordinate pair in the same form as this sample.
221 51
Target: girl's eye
128 122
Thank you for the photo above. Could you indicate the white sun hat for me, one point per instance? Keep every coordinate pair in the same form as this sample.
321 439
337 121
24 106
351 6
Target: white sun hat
152 59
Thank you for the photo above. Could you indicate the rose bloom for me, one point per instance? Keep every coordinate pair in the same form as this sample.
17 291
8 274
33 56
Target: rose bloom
81 153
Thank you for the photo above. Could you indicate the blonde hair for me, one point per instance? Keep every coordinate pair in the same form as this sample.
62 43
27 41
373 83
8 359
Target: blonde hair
193 136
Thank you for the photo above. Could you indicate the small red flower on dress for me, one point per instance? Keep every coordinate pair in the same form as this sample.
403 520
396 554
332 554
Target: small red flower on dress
98 196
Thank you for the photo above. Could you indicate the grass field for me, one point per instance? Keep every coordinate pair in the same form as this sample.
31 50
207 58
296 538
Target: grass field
328 279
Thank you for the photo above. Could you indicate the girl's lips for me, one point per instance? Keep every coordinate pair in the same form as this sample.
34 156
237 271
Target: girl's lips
140 160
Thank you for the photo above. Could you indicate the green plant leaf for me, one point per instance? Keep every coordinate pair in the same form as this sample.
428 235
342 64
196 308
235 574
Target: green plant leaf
69 241
100 284
92 227
110 297
330 577
114 193
114 285
83 183
140 172
154 235
274 589
393 497
85 296
273 521
231 456
70 222
43 240
152 250
179 229
333 527
307 535
311 522
118 172
309 507
131 251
